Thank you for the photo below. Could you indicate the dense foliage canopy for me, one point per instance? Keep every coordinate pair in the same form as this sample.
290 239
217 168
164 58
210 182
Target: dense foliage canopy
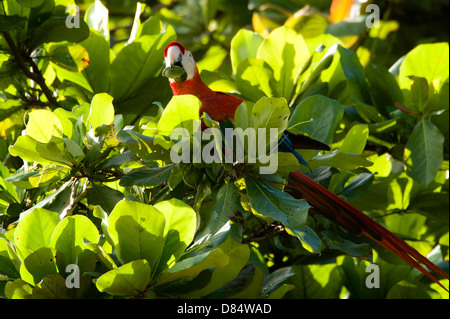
93 206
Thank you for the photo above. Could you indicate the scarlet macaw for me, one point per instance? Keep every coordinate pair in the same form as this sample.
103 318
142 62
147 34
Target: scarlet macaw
184 78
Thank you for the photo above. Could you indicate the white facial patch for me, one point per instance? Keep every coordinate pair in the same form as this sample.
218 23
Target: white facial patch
187 60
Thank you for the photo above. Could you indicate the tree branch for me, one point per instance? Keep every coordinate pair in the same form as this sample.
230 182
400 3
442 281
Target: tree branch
35 74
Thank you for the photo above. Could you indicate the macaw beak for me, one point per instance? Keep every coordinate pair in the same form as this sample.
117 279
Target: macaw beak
174 67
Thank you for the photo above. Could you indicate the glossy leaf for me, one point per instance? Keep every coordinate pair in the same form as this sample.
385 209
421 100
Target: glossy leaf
253 79
34 231
102 111
42 262
274 204
52 287
273 281
137 232
429 61
139 57
244 45
127 280
180 113
56 30
355 140
179 230
18 289
354 72
225 205
104 196
424 153
317 116
285 52
74 58
97 18
68 236
42 125
147 177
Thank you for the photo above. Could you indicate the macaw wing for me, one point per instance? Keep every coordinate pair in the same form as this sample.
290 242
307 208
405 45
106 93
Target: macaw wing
220 106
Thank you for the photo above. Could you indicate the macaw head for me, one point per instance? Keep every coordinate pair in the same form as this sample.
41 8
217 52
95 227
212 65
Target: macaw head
179 63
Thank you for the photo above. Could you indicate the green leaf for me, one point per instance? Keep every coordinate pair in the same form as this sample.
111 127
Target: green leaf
242 281
44 261
384 88
225 204
354 72
58 152
270 113
315 282
181 111
74 58
137 231
411 289
186 285
334 241
139 57
318 117
67 120
281 291
355 140
7 268
275 280
52 287
18 289
253 77
275 204
308 237
317 63
10 23
244 45
104 196
34 231
128 280
429 61
95 77
142 146
42 125
147 177
340 160
286 163
424 152
102 111
229 260
285 52
97 73
69 234
54 29
102 255
30 3
179 230
151 26
96 18
419 92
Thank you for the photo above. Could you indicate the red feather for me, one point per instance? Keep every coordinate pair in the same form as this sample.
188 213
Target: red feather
182 48
350 218
217 105
220 106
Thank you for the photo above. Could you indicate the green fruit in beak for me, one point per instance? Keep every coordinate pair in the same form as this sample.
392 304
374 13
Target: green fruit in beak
175 72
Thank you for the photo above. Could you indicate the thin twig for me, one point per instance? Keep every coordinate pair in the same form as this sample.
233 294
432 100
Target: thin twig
34 75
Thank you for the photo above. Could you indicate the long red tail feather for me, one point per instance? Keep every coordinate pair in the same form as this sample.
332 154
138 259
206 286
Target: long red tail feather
350 218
